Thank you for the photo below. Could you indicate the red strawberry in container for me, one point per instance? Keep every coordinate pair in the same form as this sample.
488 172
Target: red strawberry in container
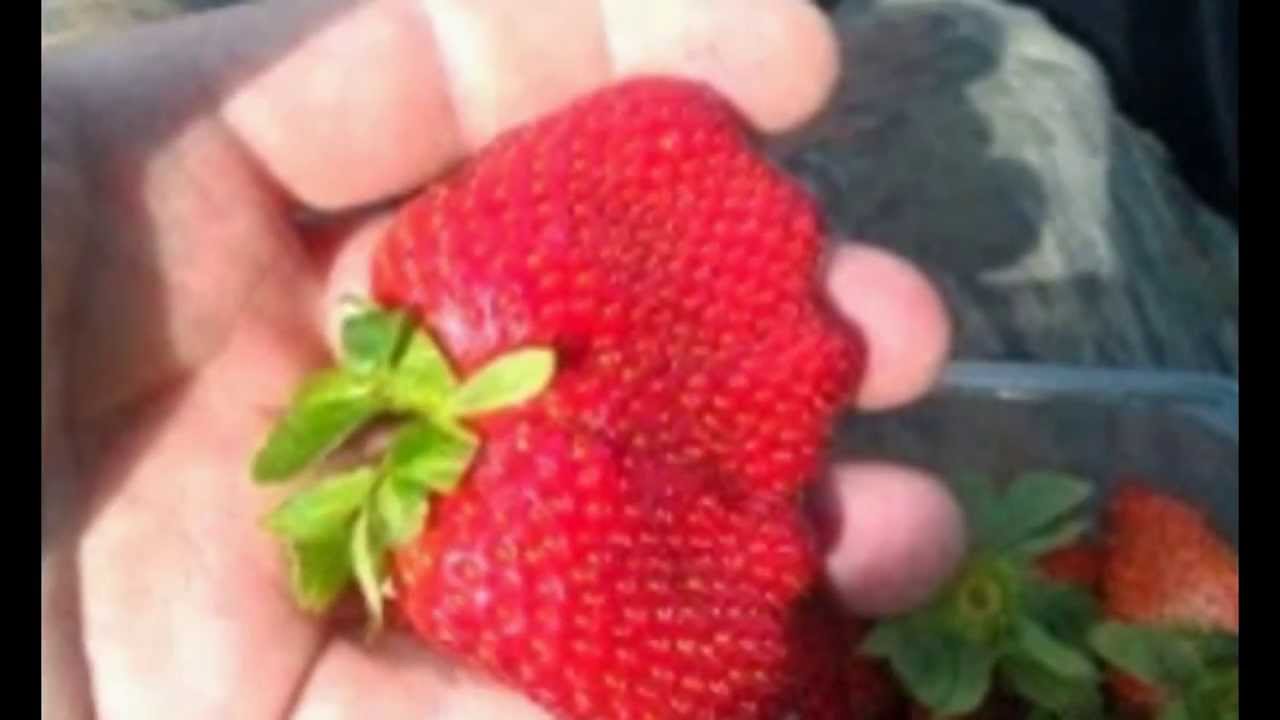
610 373
1171 592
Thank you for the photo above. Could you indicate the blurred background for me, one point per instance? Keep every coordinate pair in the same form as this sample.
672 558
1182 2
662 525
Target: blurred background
1065 170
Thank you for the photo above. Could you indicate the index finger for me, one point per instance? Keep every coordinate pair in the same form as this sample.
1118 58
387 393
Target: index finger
390 92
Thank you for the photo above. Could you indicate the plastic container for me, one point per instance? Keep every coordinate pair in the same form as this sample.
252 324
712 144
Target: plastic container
1179 430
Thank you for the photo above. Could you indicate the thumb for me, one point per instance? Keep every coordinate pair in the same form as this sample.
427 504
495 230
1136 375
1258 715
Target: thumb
894 536
399 679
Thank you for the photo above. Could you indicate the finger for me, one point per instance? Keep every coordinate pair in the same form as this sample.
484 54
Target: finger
398 679
894 535
389 93
335 103
349 249
175 535
64 681
777 60
901 315
197 136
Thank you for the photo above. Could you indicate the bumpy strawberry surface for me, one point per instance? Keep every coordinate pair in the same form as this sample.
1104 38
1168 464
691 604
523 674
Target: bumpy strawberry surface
630 544
1166 564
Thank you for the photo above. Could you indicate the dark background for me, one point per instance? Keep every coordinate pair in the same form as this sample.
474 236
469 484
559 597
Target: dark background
1174 69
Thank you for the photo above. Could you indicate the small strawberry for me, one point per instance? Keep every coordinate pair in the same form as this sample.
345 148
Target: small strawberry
1170 586
605 346
1003 636
1166 564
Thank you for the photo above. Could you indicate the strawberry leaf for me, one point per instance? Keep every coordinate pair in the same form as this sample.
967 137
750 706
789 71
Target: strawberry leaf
1216 695
368 563
371 339
1065 611
402 505
1217 649
341 528
942 670
423 457
323 509
982 506
1049 692
319 568
885 636
1162 657
509 380
1062 660
1177 710
430 457
423 357
1058 535
1032 506
326 410
422 378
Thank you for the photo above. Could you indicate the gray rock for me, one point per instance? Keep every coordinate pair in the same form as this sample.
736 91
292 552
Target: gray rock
63 21
972 137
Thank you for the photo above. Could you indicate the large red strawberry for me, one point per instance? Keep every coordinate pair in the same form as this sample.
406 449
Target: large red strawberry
620 536
673 270
1170 584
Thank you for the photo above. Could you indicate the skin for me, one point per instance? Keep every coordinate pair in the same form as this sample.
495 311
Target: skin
183 293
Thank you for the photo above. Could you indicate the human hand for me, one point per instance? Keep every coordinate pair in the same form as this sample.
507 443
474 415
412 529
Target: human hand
182 293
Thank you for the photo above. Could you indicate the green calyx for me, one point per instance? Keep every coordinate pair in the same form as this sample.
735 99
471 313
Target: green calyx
341 528
1197 671
1000 621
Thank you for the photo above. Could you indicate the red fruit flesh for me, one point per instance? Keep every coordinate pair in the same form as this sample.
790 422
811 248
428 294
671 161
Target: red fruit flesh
1165 565
675 272
630 544
598 590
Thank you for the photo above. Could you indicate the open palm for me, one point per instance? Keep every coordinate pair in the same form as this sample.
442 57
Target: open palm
184 296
